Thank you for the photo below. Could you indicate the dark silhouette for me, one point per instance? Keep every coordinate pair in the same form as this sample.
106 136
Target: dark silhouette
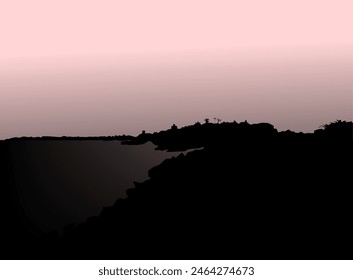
217 120
247 192
95 138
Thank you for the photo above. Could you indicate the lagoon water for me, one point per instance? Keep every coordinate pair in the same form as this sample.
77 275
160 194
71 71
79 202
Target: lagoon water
65 182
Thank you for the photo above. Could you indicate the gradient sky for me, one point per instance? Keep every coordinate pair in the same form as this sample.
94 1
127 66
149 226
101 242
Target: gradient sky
108 67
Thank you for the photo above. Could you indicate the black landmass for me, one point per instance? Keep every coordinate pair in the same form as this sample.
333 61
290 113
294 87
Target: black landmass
246 192
76 138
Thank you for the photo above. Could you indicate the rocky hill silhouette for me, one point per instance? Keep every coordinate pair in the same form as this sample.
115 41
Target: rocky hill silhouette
247 192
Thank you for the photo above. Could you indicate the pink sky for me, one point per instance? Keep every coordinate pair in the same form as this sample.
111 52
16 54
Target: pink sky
91 67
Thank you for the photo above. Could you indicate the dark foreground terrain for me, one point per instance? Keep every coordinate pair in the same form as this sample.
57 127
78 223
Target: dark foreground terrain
248 192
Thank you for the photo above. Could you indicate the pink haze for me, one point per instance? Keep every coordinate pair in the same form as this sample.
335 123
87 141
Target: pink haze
74 67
